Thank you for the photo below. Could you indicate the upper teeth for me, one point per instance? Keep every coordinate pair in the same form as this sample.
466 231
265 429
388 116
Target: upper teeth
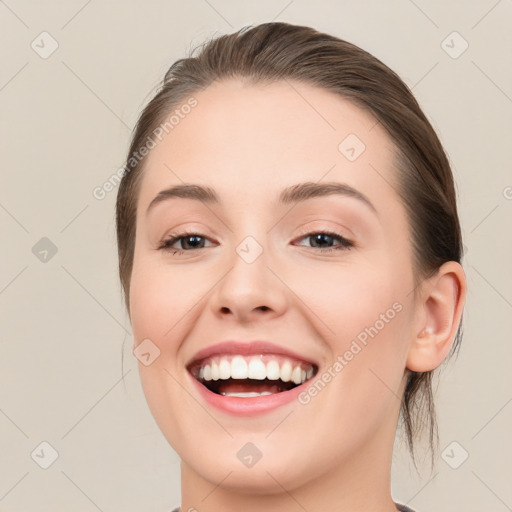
240 367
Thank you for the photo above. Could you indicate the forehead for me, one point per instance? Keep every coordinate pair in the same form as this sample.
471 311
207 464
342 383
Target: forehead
246 140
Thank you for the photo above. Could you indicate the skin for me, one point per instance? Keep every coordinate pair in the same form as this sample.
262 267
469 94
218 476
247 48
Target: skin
248 142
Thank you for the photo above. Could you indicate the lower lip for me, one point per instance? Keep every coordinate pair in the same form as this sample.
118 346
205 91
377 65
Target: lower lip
251 406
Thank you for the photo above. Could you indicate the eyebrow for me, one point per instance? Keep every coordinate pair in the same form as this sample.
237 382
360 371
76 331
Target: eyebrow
290 195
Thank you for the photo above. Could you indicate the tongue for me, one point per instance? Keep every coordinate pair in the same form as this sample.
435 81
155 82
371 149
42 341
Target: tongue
250 386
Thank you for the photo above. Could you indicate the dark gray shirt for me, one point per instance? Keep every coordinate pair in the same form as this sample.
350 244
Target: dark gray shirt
402 508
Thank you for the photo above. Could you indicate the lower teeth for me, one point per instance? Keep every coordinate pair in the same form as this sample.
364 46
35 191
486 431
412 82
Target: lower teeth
247 395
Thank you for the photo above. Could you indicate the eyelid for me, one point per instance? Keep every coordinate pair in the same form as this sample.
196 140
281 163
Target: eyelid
189 230
324 225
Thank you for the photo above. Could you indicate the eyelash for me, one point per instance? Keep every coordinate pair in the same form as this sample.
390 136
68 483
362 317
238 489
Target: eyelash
166 244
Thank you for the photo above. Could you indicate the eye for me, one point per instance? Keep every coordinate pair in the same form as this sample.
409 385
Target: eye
190 241
324 237
186 238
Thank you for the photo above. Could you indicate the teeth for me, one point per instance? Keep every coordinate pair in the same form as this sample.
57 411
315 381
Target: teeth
273 370
215 371
224 369
247 395
286 371
257 369
240 367
296 375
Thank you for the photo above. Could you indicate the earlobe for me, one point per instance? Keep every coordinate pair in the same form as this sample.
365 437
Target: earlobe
442 301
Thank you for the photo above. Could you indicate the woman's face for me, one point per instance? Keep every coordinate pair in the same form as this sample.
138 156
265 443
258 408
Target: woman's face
270 278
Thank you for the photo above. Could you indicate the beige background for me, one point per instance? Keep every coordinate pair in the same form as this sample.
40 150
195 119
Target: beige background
65 125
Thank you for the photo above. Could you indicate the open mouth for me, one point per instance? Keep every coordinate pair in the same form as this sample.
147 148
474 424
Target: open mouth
251 376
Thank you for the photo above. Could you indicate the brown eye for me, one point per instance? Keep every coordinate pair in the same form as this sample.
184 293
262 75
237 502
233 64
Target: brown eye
187 241
319 240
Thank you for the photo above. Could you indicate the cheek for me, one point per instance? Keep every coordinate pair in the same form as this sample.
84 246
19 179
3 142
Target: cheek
345 297
160 297
148 304
363 312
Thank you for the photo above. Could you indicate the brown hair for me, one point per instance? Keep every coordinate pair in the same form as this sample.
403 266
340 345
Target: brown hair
280 51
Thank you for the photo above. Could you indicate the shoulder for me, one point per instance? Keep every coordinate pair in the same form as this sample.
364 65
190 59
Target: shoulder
402 508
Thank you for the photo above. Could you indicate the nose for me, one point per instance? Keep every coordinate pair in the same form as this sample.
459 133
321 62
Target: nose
249 290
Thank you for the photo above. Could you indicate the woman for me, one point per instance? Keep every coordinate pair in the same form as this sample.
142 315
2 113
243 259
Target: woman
289 250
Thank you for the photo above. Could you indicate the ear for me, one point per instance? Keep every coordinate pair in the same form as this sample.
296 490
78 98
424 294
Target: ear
441 302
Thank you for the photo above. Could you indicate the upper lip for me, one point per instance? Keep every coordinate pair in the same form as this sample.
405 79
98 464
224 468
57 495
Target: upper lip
246 348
